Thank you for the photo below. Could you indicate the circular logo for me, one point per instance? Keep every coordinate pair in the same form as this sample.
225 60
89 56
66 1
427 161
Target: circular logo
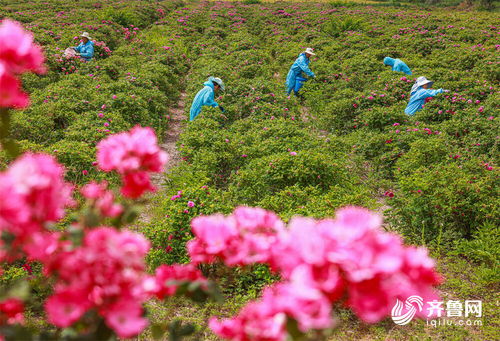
411 305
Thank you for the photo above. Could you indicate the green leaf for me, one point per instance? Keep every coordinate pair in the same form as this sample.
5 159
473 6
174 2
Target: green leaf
292 327
158 331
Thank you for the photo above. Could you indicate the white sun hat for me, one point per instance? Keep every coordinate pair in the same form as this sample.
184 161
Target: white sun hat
310 51
218 81
86 35
420 82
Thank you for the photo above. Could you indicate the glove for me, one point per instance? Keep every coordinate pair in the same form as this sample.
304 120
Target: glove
222 108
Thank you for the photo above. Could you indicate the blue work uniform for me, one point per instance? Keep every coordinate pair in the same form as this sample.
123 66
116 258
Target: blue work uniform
397 65
294 75
86 50
417 99
204 97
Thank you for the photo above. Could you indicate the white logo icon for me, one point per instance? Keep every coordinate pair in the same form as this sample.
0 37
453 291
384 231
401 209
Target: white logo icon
402 319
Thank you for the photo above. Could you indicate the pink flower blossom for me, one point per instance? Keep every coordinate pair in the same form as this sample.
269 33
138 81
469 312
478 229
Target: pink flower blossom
320 262
66 308
110 278
125 318
11 95
17 51
103 199
134 155
190 204
34 184
135 184
11 311
131 151
168 278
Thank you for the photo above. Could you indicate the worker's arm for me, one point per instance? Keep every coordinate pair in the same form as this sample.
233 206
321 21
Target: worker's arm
402 67
425 93
77 48
304 67
89 52
432 93
208 99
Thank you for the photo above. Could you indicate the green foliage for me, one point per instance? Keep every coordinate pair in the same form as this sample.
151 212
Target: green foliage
446 202
336 27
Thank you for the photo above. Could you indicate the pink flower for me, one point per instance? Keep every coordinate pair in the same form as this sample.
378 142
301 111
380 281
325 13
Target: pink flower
110 278
11 95
169 277
213 232
34 184
17 51
65 308
11 311
190 204
103 199
41 246
132 154
125 318
320 262
293 153
131 151
135 184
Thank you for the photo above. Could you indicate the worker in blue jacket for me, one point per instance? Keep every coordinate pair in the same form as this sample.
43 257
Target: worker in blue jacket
86 47
294 79
420 91
206 96
397 65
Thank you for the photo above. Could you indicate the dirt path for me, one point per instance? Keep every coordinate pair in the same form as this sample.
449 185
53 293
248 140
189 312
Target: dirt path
175 127
177 121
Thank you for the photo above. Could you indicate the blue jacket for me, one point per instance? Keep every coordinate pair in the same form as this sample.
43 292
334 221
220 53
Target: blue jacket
300 65
417 99
204 97
86 50
397 65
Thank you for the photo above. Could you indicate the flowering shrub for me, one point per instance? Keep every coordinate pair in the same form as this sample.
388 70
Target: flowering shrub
345 142
320 263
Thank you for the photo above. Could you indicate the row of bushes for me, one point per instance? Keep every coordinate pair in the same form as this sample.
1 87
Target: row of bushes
371 147
76 103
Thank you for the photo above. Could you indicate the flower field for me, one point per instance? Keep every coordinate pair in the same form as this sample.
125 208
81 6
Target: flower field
304 218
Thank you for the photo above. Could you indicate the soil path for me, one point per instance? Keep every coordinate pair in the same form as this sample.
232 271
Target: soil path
176 124
175 127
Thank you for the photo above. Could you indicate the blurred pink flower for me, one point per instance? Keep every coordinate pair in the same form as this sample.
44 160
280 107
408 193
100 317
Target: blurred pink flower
17 50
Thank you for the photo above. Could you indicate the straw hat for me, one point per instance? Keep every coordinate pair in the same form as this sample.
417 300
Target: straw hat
85 35
218 81
310 51
420 82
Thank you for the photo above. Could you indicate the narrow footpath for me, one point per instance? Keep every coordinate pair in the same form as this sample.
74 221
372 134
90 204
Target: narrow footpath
175 127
